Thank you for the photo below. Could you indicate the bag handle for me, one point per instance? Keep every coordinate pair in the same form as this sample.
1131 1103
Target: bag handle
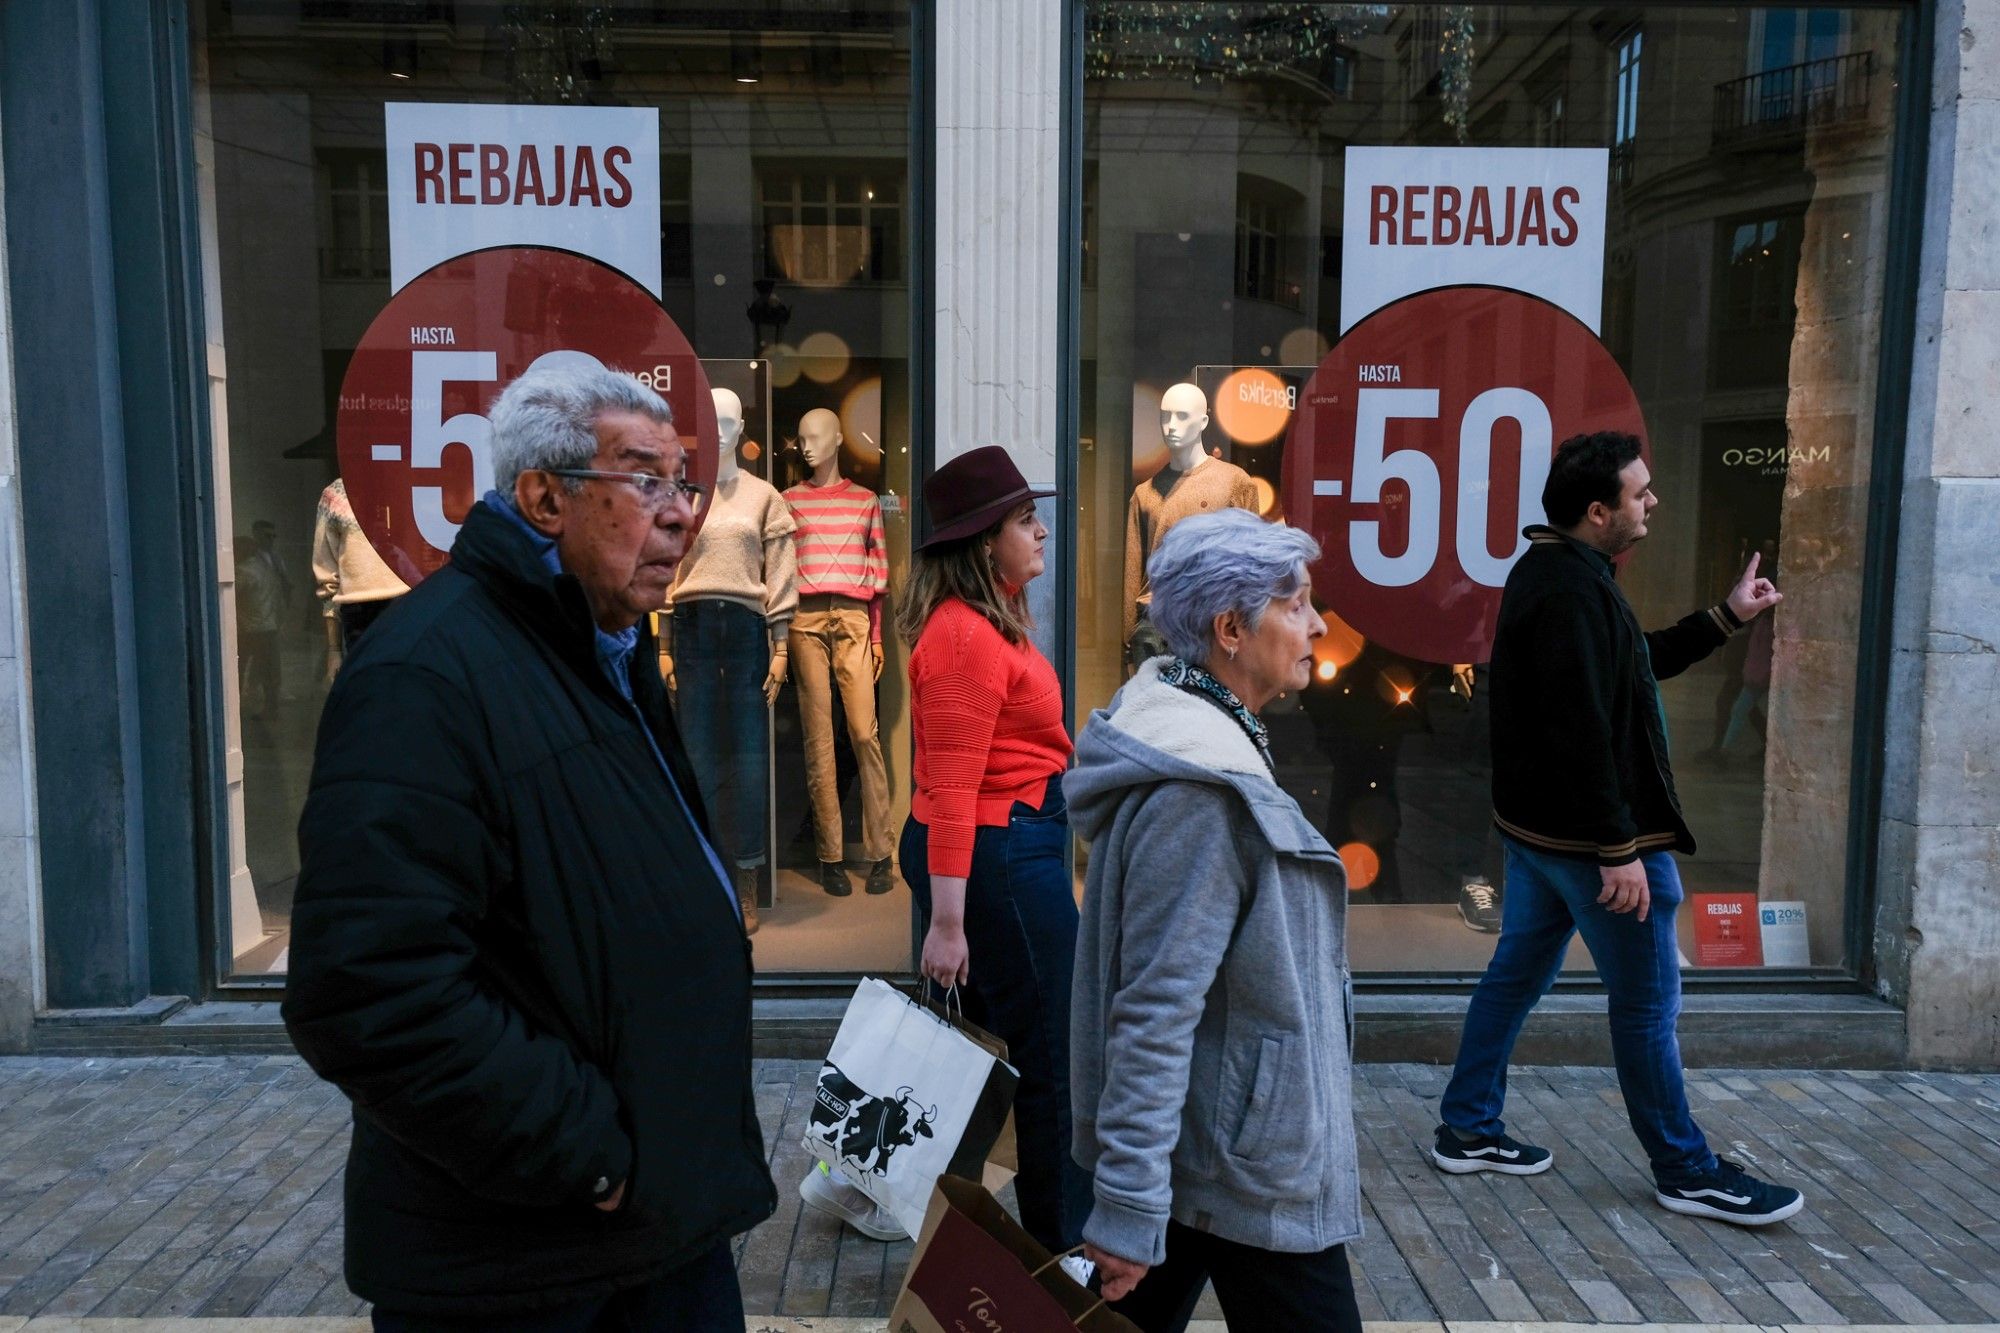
1055 1259
950 998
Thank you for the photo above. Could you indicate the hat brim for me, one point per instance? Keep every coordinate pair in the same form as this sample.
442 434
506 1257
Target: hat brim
984 517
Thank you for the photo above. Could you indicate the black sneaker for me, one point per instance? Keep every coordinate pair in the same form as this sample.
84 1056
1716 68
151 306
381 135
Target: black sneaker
1479 906
833 878
878 877
1510 1157
1731 1194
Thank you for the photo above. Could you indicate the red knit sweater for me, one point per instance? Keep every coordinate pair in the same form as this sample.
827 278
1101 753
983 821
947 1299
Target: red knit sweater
988 722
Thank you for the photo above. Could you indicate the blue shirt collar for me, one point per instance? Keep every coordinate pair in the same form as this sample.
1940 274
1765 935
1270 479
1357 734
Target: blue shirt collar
614 651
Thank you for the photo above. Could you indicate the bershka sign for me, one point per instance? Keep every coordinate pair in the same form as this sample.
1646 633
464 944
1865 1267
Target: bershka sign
585 179
1527 218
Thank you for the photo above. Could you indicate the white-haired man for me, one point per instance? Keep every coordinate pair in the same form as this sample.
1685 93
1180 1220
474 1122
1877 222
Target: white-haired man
514 947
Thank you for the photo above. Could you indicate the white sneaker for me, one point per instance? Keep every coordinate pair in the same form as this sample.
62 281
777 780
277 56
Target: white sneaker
834 1196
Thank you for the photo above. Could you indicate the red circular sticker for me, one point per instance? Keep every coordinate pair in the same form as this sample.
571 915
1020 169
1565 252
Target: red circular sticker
415 443
1419 453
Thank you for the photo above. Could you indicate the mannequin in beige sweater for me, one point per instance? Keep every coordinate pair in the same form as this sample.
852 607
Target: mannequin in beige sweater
1191 483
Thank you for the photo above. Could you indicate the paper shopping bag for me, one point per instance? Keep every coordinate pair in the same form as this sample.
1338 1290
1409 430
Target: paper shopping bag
974 1268
1003 1159
904 1097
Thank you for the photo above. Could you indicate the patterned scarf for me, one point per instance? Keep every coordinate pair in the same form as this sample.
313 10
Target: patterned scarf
1185 675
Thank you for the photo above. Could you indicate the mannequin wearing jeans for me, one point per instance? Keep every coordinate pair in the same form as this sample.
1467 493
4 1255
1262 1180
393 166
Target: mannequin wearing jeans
731 604
836 643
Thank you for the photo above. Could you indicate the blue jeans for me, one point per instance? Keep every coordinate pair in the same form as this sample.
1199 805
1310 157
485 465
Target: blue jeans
1548 899
698 1297
1020 933
722 652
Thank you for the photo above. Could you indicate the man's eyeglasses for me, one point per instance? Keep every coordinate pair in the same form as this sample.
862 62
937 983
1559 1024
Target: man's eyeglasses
655 492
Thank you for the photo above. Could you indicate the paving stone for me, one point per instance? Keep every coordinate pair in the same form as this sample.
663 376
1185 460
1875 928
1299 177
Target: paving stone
211 1187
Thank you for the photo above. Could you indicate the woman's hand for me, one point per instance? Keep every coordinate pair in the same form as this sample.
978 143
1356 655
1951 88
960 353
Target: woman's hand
947 961
1115 1277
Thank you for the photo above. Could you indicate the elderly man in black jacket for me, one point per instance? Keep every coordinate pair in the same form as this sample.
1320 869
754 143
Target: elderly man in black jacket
514 947
1583 796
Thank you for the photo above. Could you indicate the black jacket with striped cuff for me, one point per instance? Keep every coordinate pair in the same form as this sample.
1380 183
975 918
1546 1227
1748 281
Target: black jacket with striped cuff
1580 764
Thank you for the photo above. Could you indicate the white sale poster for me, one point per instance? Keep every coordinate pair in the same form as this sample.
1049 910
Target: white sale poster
462 178
1530 219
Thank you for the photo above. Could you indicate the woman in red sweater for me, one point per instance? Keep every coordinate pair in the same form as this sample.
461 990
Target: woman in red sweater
984 848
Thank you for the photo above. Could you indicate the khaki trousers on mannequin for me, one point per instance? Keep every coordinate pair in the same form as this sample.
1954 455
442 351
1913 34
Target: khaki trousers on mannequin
829 648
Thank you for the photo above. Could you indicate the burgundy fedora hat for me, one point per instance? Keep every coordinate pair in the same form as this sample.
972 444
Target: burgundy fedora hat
973 492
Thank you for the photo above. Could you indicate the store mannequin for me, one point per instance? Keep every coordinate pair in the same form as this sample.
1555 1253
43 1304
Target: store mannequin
1191 483
730 607
836 642
352 583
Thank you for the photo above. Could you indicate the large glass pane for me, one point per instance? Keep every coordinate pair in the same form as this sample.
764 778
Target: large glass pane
782 155
1743 158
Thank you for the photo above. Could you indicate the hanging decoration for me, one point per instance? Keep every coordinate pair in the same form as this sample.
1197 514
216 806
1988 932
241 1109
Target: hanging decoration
1455 68
1211 43
556 52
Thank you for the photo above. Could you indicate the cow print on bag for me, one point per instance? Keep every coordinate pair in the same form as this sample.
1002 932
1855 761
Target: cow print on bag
863 1129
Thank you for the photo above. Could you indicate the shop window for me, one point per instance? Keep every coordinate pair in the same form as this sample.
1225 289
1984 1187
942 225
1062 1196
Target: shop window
1268 217
1625 102
1549 119
1751 372
1088 265
781 168
831 226
676 220
354 216
1757 276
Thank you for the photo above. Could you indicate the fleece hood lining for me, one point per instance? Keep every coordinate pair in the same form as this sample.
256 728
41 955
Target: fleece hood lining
1157 714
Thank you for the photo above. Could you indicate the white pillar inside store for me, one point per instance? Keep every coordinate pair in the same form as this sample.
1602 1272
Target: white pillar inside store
999 80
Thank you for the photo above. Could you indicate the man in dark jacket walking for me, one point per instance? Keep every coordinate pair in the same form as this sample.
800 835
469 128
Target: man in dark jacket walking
1584 800
513 947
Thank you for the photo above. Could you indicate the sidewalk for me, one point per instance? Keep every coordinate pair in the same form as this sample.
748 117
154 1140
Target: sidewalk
210 1187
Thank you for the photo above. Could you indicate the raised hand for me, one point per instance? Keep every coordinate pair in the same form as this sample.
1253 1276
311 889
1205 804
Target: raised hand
1753 596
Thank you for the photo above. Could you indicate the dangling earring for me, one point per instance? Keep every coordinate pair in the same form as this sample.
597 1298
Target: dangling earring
1231 652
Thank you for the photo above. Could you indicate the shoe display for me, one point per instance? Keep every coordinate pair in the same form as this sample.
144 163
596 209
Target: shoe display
833 878
824 1192
1731 1194
1479 906
1509 1157
879 877
746 898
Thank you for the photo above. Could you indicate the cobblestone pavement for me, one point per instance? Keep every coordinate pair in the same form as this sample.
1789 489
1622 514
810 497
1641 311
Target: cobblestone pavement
211 1187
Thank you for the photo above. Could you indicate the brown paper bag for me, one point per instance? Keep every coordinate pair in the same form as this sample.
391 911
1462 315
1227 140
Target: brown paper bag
976 1270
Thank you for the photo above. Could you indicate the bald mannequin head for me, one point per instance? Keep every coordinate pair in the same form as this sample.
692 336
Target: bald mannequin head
1183 417
819 442
728 429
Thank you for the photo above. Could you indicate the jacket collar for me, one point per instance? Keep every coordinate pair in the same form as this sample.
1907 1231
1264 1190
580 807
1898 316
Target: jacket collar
1540 534
493 550
1177 737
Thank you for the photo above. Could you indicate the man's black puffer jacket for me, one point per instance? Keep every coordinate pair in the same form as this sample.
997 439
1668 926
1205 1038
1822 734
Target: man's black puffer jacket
509 950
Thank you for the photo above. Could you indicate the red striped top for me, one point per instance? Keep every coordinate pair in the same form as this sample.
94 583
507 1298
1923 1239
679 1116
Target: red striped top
987 717
840 544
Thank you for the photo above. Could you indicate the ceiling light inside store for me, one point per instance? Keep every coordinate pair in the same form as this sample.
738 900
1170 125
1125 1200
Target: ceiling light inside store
399 56
746 57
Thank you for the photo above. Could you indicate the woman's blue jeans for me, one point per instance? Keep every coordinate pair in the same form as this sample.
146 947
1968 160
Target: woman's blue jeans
1020 934
722 652
1548 899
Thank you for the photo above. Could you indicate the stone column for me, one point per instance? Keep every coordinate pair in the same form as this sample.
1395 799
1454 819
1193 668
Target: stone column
20 877
1938 917
999 79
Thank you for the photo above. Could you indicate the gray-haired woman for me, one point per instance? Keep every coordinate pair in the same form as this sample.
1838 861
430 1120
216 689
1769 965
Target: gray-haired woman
1210 1031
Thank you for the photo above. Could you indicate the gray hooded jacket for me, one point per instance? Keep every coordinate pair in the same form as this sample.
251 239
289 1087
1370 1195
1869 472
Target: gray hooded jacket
1210 1028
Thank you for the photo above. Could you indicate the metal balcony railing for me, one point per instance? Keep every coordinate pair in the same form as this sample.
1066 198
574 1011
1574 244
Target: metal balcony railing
1785 101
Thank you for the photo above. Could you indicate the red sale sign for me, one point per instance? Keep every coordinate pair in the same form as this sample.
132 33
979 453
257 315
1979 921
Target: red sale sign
1726 932
1419 452
413 435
